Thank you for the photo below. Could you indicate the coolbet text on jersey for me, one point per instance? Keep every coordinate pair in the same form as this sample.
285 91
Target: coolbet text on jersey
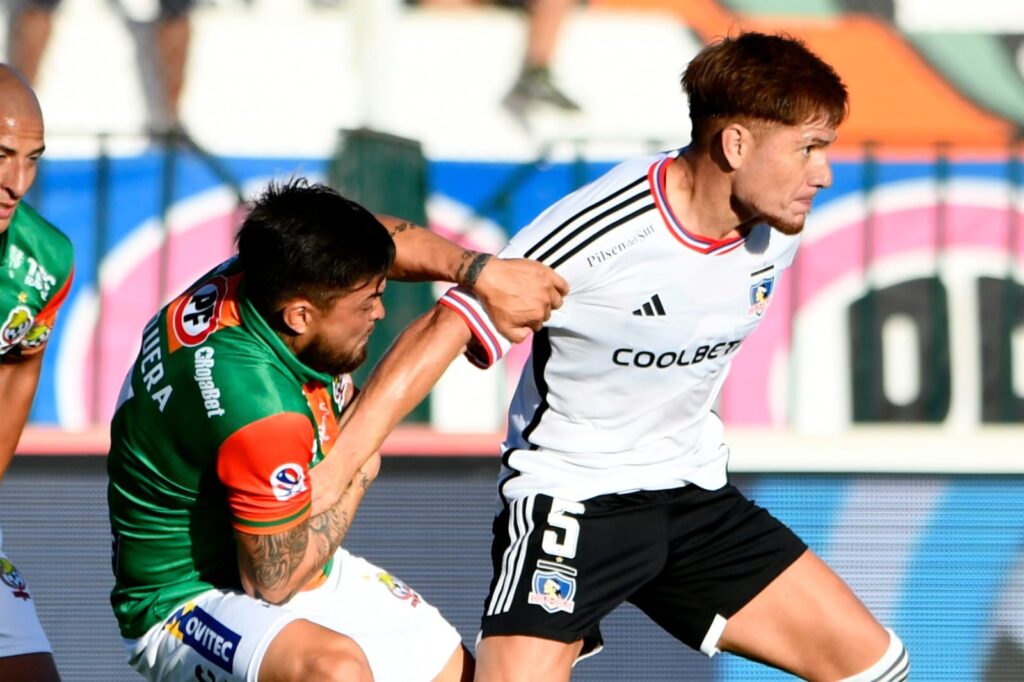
618 392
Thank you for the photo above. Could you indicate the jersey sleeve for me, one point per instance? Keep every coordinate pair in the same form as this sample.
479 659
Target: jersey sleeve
42 326
265 468
488 345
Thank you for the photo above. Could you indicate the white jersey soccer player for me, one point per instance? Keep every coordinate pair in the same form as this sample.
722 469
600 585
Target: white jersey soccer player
613 482
615 407
619 390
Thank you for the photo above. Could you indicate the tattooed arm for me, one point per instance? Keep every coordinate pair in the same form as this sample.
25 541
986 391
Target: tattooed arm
275 567
518 294
423 256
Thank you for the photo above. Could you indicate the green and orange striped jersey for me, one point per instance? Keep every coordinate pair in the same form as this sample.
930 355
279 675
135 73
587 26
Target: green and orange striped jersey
216 428
36 264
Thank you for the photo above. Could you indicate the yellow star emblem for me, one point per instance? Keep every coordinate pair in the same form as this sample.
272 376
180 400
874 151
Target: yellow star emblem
22 297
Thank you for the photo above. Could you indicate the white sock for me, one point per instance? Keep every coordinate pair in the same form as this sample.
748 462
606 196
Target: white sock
893 666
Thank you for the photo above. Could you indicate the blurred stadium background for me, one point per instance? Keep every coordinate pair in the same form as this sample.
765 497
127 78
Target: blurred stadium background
878 410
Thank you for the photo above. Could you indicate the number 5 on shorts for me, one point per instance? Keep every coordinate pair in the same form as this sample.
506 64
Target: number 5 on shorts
559 517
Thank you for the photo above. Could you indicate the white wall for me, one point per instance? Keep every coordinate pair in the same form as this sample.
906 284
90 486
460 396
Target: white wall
984 16
281 76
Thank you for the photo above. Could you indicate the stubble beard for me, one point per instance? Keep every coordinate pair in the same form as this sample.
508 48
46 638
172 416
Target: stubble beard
787 227
321 357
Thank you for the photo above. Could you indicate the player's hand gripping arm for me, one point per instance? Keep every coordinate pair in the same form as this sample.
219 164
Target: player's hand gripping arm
518 294
400 381
19 378
275 567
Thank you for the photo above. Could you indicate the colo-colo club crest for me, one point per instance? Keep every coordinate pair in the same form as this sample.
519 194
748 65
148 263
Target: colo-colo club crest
553 587
760 295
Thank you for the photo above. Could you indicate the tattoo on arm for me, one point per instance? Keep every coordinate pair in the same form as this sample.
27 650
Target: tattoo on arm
464 261
327 530
402 227
275 557
470 268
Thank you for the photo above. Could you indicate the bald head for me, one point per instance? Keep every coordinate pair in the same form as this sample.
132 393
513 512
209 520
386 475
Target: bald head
16 96
21 141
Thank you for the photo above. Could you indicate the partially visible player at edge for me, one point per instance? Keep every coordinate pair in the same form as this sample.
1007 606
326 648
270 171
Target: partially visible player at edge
36 263
221 570
614 484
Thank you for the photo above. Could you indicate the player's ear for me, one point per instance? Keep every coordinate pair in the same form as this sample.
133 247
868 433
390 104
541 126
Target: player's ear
737 143
297 315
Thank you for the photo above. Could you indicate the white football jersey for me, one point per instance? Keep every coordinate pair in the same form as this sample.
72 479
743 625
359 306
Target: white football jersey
618 392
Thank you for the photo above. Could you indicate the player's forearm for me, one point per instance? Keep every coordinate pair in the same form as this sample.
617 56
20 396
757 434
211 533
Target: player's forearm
18 382
328 530
422 256
403 378
275 567
400 381
517 293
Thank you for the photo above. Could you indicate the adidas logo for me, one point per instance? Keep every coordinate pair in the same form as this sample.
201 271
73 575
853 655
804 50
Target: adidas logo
652 308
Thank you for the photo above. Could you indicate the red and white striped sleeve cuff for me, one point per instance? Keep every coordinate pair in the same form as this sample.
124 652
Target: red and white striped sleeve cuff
490 346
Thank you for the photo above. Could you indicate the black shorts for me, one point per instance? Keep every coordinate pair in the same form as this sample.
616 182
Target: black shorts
686 557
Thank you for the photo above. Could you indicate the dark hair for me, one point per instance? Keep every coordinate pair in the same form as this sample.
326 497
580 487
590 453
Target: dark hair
761 78
307 240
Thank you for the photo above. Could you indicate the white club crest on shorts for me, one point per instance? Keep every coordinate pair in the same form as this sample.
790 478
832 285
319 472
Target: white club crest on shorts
398 588
553 590
287 481
12 578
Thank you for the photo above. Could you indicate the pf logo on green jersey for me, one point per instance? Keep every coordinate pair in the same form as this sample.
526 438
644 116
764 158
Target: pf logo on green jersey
17 325
195 315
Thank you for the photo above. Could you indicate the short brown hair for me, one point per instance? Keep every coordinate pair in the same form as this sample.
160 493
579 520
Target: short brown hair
760 77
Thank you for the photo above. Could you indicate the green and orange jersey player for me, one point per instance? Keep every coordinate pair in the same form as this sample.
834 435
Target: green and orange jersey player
36 263
230 408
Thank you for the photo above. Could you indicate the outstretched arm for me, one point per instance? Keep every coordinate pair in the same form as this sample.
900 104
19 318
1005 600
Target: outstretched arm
400 381
518 294
18 381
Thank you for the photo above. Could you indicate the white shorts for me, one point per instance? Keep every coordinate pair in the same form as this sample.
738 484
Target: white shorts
223 635
20 631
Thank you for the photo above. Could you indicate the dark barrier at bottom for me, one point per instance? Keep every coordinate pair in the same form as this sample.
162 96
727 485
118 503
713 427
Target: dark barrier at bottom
934 557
